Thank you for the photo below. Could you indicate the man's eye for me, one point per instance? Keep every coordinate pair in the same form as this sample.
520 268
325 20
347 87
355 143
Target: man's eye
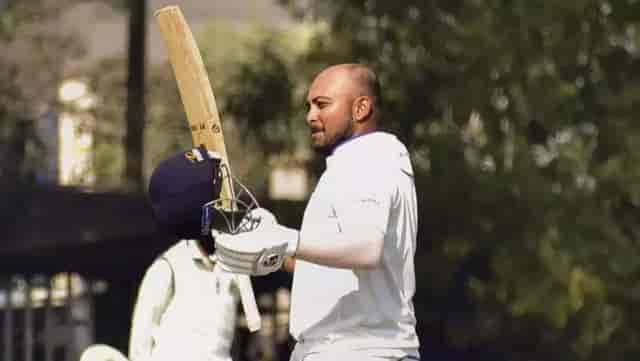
322 104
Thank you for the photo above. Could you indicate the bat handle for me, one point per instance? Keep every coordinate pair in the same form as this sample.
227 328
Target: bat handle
247 297
248 302
227 192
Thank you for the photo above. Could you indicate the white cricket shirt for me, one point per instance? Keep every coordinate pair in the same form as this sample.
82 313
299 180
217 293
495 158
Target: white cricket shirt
184 311
368 179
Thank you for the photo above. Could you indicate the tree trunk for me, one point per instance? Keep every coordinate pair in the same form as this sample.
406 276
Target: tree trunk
135 112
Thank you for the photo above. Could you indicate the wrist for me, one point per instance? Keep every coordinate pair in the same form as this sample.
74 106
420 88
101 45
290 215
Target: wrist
292 236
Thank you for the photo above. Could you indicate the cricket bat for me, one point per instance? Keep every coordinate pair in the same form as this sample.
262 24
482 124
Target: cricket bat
203 117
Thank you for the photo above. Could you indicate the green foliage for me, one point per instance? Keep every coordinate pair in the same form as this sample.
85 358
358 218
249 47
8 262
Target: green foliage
165 124
107 79
250 72
520 115
257 89
520 118
30 65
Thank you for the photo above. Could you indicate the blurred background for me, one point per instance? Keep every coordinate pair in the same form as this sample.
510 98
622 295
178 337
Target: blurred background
519 115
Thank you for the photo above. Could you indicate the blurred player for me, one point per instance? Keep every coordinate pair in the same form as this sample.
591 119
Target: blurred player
186 305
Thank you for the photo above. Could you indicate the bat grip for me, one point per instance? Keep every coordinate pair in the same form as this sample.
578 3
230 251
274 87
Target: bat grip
227 193
247 297
248 300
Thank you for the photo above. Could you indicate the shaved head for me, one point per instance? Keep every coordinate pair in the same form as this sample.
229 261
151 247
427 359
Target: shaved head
343 102
362 78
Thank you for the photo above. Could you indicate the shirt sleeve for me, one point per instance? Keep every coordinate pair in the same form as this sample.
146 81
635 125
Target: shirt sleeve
365 204
154 295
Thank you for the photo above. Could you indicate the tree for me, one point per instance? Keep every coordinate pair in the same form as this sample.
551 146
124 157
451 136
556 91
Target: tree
135 110
241 65
123 167
31 67
256 85
520 118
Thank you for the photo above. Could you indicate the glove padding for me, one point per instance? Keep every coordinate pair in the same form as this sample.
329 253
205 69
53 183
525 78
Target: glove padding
198 154
257 252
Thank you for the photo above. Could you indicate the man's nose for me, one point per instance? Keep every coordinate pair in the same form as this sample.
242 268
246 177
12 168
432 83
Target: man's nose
311 116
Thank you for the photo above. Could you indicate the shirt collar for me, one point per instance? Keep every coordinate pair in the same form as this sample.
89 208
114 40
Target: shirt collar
356 146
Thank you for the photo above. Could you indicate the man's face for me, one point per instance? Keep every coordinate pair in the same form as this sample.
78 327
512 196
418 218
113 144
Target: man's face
329 117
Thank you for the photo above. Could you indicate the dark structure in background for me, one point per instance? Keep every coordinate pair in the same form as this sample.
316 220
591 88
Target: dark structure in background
80 258
136 106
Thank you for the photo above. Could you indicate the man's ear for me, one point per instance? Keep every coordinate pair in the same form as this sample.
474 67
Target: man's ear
362 108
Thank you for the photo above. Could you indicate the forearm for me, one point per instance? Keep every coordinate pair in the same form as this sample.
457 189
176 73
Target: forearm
261 251
363 251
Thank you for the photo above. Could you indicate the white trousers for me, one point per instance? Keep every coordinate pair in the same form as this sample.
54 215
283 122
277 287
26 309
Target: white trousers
303 353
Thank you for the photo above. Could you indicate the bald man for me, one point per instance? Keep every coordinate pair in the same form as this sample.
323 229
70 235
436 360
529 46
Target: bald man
354 276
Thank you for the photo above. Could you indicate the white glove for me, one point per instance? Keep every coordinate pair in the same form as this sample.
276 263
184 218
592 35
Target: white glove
260 251
196 154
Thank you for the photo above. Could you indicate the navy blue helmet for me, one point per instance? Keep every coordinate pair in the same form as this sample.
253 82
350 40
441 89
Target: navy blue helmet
180 186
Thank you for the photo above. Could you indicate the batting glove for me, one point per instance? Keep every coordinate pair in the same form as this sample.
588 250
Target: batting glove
260 251
198 154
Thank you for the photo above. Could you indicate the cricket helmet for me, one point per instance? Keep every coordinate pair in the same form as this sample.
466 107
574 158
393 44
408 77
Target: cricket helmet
184 193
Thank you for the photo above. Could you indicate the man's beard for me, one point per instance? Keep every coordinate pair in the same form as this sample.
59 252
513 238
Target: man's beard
327 150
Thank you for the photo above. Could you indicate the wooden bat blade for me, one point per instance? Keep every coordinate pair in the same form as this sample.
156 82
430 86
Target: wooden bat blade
204 120
195 90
